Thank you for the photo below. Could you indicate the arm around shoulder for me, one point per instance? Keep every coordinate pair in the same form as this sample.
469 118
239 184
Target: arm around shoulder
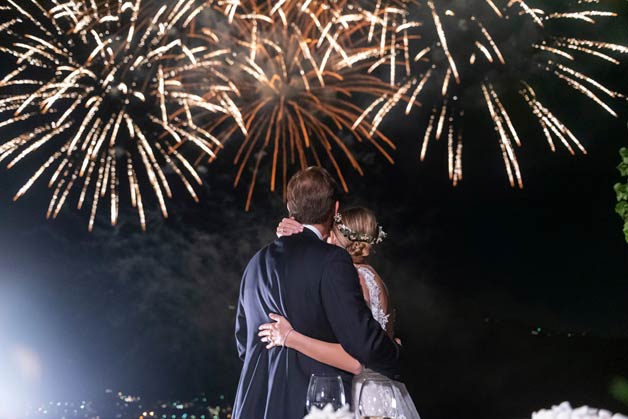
356 330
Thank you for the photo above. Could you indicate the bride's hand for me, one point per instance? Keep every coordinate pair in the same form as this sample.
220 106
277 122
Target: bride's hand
288 227
277 332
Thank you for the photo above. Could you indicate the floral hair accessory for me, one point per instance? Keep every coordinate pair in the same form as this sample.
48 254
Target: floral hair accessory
356 236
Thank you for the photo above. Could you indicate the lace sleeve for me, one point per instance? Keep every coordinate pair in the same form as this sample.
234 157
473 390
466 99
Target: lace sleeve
375 293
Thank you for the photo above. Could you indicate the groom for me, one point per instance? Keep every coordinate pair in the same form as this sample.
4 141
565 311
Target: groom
316 287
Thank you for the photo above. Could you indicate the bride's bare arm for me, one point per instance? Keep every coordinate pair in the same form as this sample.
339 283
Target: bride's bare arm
324 352
281 333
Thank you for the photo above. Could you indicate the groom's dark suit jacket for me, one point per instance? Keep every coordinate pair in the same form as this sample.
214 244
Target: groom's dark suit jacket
316 287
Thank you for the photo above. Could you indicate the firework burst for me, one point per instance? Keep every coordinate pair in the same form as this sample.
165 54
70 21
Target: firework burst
487 49
96 94
300 72
111 91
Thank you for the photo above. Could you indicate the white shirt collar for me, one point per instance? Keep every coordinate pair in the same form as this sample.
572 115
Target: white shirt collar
315 230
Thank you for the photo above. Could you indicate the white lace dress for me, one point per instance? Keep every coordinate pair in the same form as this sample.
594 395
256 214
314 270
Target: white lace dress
405 406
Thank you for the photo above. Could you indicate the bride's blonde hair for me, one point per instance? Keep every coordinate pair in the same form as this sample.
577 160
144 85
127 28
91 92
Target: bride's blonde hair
356 230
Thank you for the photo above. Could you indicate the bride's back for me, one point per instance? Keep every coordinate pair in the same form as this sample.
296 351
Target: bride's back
375 294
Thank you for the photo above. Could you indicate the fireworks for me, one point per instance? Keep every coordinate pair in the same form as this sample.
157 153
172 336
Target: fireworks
490 49
96 92
114 91
300 78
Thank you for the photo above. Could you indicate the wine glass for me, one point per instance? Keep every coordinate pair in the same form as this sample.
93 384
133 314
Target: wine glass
377 400
324 390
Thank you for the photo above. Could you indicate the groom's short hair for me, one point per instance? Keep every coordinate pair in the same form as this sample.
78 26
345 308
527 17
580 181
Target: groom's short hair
312 196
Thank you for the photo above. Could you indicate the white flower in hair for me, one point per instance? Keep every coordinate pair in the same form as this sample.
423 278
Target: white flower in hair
328 413
565 411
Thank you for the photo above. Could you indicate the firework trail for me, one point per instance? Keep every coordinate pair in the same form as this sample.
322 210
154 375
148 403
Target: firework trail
300 72
96 94
488 49
106 88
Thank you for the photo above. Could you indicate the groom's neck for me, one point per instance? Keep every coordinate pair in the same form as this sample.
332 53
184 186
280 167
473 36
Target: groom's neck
323 229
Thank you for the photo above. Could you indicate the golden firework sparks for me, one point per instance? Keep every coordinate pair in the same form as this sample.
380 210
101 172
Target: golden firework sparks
102 99
475 49
112 90
300 80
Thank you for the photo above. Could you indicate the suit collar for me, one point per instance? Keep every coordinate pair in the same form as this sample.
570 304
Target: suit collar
313 230
310 234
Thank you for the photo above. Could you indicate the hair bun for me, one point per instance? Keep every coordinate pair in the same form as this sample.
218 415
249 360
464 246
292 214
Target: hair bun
359 249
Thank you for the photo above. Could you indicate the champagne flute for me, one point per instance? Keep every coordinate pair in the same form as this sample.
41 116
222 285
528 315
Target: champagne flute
377 399
324 390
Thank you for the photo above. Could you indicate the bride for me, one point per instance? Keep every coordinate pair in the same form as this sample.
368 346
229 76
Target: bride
356 230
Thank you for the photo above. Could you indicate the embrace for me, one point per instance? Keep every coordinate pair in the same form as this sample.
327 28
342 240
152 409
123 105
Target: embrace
310 305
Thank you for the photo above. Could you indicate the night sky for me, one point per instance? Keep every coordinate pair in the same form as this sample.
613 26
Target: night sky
508 300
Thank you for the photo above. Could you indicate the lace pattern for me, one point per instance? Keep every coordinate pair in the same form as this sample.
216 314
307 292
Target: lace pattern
374 292
405 408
